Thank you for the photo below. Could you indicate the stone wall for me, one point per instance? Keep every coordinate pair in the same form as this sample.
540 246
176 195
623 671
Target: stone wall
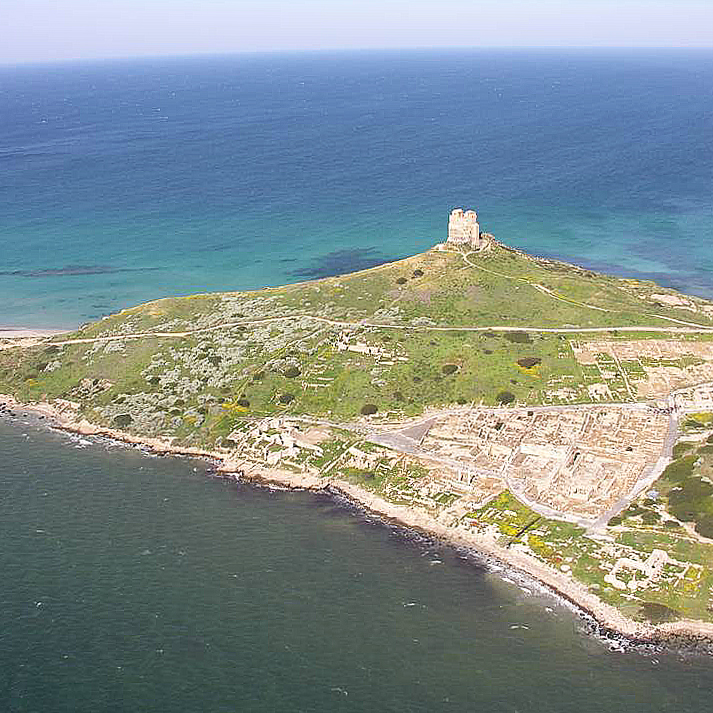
463 228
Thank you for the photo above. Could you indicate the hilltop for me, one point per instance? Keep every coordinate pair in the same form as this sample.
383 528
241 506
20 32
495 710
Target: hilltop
521 404
440 328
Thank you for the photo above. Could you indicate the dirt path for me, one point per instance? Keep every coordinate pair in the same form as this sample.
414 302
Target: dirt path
33 341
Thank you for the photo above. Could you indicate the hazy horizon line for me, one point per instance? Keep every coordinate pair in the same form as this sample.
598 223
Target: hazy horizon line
356 50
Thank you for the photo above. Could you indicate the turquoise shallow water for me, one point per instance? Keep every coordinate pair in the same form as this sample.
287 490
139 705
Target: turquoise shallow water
137 583
125 181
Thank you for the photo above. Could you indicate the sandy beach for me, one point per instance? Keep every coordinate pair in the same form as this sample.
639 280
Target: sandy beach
25 337
610 622
25 332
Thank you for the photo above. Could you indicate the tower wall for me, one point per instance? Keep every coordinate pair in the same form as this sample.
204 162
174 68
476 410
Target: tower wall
463 228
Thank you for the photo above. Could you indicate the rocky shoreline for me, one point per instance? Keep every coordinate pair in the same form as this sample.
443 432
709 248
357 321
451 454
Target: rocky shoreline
603 620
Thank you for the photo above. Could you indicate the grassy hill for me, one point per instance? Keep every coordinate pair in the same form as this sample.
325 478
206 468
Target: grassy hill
424 331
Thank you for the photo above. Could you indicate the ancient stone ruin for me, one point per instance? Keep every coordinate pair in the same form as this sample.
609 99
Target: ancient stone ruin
463 229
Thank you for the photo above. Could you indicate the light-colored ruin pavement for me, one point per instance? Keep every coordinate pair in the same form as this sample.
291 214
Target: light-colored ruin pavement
581 464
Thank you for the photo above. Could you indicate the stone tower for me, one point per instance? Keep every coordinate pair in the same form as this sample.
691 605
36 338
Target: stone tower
463 228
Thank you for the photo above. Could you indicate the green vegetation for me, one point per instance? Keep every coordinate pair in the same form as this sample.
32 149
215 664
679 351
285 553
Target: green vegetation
658 613
699 421
273 361
683 588
433 330
686 486
682 497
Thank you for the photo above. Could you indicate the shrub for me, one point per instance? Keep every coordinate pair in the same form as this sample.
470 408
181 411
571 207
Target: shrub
671 524
449 368
505 397
155 380
259 376
401 281
657 613
369 409
691 500
461 401
518 337
286 398
704 526
291 372
244 403
123 420
616 520
650 517
529 362
418 273
680 469
680 449
692 491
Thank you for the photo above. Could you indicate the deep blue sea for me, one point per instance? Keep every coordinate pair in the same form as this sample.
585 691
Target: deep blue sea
122 181
130 583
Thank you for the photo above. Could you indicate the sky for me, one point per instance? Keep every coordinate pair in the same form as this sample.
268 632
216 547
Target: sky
42 30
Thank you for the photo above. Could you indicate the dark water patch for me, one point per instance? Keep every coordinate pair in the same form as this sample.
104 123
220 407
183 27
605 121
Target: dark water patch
341 262
71 270
695 279
220 247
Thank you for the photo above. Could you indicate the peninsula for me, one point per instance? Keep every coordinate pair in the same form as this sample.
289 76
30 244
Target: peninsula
558 419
